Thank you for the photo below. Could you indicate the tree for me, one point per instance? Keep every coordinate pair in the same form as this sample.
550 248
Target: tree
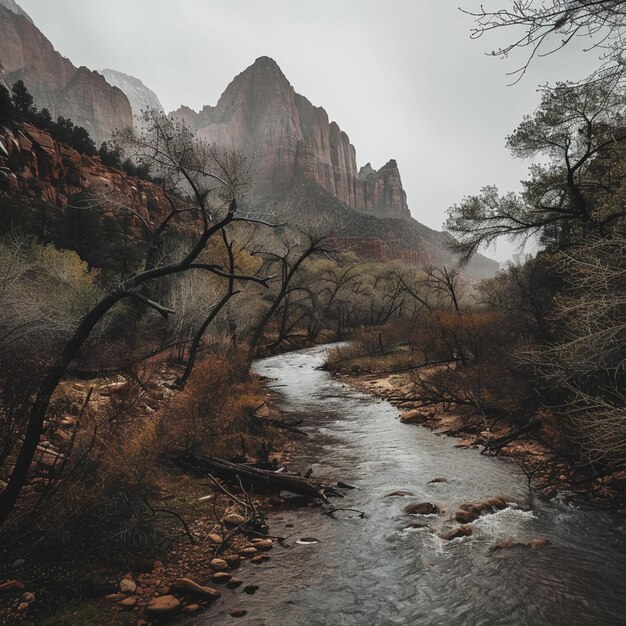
22 99
575 126
544 27
189 169
7 110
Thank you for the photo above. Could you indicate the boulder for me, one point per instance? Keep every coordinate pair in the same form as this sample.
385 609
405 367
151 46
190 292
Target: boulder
422 508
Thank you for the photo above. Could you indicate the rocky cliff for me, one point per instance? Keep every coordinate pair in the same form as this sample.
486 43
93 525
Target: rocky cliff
76 93
33 164
289 139
139 96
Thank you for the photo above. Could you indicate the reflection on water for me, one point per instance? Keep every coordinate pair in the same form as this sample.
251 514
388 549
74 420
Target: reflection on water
376 571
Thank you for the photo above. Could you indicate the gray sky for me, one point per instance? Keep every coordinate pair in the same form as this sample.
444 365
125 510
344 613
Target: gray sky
401 77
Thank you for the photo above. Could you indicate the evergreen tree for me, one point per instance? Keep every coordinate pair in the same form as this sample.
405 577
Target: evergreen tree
22 99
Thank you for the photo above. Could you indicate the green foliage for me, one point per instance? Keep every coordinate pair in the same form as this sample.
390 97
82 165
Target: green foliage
22 99
7 110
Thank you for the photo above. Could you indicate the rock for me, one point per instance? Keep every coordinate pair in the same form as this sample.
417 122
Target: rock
539 543
187 585
128 586
465 517
191 608
399 494
263 544
163 605
422 508
129 602
437 480
410 417
460 531
233 519
505 545
232 559
260 113
233 583
28 597
238 612
417 525
248 551
218 564
257 559
22 607
250 589
470 512
221 577
12 585
215 538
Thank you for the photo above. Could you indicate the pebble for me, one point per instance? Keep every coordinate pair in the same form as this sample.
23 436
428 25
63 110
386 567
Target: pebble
233 519
257 559
263 544
250 589
233 583
191 608
248 551
238 612
129 602
221 577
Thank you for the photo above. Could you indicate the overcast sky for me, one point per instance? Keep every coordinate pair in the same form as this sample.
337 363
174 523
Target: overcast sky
401 77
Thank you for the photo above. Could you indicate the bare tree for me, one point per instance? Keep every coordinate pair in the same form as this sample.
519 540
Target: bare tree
190 169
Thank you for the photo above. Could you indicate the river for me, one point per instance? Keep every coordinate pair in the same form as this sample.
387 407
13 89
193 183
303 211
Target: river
374 571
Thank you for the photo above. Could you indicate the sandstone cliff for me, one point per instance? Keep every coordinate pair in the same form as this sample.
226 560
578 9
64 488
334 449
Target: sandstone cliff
33 164
289 139
76 93
139 96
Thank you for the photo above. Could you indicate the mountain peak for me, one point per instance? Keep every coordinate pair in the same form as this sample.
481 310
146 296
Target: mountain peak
14 7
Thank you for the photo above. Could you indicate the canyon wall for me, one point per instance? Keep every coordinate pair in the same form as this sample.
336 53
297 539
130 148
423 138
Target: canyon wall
55 83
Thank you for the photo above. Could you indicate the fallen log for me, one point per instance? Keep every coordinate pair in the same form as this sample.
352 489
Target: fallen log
498 444
256 478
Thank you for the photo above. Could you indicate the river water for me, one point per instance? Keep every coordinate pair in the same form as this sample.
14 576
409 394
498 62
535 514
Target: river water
374 571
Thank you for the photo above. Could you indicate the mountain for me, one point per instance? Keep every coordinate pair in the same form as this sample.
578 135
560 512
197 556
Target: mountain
305 162
15 8
55 83
139 96
289 139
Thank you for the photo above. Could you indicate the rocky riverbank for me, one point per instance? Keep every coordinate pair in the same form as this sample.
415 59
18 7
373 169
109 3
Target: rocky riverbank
548 472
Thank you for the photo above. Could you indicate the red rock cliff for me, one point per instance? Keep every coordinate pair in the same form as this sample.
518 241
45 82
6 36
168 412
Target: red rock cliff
288 139
76 93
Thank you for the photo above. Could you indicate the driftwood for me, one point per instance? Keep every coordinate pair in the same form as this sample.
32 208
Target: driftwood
258 478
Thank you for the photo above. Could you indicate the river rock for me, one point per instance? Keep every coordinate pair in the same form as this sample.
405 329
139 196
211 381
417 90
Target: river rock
218 564
162 605
191 608
472 511
187 585
248 551
506 544
399 494
422 508
460 531
410 417
128 586
129 602
233 583
257 559
437 480
465 517
238 612
233 519
263 544
28 597
539 543
215 538
250 589
221 577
